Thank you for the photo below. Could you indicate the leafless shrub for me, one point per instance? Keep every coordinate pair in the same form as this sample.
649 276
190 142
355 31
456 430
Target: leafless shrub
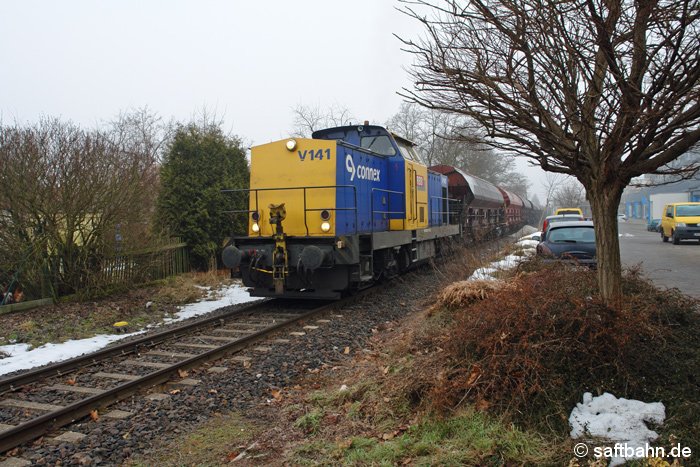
70 197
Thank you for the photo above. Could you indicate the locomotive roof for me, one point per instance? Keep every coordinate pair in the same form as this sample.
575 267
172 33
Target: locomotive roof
329 133
357 134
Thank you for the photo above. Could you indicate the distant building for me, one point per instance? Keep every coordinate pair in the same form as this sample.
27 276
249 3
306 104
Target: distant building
647 200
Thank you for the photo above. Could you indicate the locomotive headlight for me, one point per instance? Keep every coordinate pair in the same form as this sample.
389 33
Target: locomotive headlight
255 216
325 226
255 227
291 145
325 215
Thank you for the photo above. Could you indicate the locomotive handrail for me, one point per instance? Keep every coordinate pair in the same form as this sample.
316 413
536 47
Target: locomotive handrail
414 192
372 211
306 210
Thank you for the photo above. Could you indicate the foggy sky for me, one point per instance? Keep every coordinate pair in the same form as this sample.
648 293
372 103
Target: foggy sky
250 62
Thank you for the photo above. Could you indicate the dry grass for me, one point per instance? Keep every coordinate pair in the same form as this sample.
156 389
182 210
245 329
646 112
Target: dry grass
464 260
463 293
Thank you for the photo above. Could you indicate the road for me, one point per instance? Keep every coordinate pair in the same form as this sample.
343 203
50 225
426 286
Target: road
666 264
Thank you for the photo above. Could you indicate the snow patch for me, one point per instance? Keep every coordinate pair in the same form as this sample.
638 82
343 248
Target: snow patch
509 262
617 420
485 274
21 358
231 295
526 230
528 244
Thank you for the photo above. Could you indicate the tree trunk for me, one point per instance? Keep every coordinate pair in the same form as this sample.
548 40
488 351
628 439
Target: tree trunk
604 204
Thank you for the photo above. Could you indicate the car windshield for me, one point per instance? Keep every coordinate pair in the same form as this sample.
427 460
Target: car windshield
685 211
568 211
572 235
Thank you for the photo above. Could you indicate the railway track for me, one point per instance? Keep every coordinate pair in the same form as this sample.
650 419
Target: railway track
94 381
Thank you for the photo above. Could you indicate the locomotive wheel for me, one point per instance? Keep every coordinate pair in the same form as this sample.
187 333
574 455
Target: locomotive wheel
404 259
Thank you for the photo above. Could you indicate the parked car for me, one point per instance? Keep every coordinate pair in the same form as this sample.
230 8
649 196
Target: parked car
653 225
680 221
560 218
569 211
622 217
572 240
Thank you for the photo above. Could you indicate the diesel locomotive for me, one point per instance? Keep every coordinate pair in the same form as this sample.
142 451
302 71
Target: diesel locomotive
350 206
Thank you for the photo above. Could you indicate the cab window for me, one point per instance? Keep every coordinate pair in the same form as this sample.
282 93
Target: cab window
408 152
405 153
380 144
669 211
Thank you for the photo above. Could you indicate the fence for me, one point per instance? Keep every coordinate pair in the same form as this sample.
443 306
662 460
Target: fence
105 272
145 265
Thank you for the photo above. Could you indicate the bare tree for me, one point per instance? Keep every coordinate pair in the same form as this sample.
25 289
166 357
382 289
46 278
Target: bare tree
604 90
64 191
570 194
447 138
550 184
308 119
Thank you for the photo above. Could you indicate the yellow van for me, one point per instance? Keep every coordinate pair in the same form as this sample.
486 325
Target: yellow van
680 221
568 211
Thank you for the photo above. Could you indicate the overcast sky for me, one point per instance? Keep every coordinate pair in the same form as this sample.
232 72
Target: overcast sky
251 62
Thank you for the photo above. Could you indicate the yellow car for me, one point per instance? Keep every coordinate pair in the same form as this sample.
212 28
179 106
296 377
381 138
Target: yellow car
568 211
680 221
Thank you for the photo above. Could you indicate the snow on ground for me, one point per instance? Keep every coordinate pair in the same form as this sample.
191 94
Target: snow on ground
485 274
526 243
617 420
231 295
21 358
525 231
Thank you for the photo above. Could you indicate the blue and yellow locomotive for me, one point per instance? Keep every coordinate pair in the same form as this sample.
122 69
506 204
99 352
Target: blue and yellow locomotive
337 212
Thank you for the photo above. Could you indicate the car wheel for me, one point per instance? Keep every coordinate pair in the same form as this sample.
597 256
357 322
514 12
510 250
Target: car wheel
675 239
664 238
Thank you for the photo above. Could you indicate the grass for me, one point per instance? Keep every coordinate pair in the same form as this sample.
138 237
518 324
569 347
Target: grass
217 442
310 422
374 425
468 438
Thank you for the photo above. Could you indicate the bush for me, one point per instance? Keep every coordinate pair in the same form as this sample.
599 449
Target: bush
535 346
199 163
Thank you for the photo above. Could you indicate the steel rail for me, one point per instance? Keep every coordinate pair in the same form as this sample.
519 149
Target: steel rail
48 422
61 368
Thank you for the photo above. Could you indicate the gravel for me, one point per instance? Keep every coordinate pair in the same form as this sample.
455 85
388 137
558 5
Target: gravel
112 442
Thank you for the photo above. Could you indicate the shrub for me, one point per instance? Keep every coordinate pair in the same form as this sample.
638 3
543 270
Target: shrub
535 346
